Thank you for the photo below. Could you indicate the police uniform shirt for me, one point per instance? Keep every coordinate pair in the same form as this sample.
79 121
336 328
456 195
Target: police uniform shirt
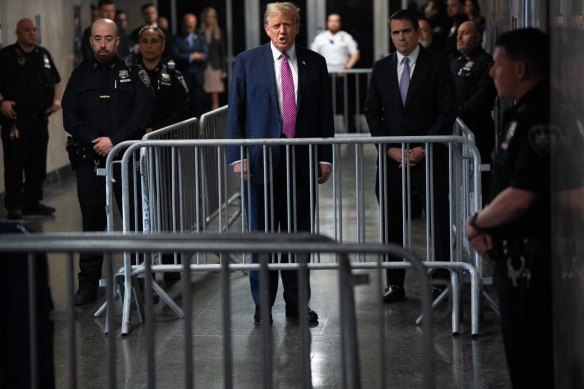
171 96
111 99
28 78
335 48
476 92
523 162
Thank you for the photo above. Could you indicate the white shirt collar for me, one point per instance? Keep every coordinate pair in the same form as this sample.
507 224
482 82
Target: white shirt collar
277 53
413 56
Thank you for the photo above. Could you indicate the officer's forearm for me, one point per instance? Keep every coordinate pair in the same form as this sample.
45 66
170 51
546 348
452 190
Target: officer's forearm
509 205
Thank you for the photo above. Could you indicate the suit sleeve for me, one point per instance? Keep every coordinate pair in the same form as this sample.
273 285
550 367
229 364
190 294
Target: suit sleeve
236 116
143 99
182 58
327 124
374 106
445 100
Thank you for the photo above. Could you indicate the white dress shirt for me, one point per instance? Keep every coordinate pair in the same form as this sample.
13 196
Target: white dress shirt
413 56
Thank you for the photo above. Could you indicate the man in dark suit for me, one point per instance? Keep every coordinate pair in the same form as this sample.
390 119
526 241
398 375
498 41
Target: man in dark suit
189 51
280 90
421 103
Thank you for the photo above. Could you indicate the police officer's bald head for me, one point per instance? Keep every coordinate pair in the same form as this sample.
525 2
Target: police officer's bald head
104 39
26 33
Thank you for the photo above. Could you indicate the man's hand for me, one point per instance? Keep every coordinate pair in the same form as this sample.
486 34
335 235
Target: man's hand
198 57
102 145
240 168
416 155
395 153
7 109
56 106
482 243
324 172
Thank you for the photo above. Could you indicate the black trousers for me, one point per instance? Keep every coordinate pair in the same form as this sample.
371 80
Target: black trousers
91 195
25 160
393 212
282 199
526 319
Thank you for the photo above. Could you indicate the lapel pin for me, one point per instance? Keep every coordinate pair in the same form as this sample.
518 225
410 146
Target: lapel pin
303 62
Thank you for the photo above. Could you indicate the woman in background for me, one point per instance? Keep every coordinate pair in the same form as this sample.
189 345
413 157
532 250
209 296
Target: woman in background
215 70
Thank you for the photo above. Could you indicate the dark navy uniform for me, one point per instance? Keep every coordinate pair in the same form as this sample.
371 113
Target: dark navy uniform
29 80
102 100
476 92
172 96
521 248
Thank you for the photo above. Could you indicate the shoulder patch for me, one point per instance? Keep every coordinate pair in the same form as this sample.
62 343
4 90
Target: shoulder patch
544 138
182 81
144 77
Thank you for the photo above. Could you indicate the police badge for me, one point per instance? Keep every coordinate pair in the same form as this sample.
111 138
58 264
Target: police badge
124 75
144 77
46 61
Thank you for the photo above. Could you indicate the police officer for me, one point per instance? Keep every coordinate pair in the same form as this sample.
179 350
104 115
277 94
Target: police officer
170 88
28 95
514 228
105 102
475 92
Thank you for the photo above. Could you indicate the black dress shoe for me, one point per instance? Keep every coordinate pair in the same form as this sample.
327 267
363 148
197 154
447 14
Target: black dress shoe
14 214
38 209
257 317
437 291
394 293
85 296
293 313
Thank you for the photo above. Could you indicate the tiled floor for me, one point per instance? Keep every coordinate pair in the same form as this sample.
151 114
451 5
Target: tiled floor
460 361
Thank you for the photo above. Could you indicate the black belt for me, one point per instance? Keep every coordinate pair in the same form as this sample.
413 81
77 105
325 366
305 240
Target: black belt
532 246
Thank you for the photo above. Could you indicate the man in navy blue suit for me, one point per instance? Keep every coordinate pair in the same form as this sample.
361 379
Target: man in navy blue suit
411 93
189 51
266 80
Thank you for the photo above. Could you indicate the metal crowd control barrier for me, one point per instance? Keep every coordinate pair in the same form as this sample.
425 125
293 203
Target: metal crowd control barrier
234 244
332 199
349 89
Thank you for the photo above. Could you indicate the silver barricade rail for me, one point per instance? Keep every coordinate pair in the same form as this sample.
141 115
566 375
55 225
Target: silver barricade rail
221 245
349 90
351 221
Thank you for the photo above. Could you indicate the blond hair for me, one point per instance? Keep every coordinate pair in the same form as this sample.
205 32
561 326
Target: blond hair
210 30
286 7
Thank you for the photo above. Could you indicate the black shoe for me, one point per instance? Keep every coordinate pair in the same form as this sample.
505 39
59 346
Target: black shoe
171 278
38 209
14 214
437 291
394 293
293 313
257 317
85 296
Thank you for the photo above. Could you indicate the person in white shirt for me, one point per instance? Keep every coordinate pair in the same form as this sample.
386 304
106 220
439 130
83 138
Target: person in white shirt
340 52
337 47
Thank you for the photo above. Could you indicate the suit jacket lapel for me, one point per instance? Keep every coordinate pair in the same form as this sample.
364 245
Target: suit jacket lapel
417 76
393 81
302 63
270 75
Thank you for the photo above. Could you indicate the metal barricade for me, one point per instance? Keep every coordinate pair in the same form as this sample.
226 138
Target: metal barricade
221 245
347 205
349 90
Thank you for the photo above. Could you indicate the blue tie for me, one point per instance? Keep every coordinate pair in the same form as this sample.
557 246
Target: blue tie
404 82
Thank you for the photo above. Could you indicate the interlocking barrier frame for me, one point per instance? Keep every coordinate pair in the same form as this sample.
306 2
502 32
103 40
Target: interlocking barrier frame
224 244
463 200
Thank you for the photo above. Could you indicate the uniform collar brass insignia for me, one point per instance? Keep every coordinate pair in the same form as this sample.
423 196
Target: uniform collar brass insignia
144 77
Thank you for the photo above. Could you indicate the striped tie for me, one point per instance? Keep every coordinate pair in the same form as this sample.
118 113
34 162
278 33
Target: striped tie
288 99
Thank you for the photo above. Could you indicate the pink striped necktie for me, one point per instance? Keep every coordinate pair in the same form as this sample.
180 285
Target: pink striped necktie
288 99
